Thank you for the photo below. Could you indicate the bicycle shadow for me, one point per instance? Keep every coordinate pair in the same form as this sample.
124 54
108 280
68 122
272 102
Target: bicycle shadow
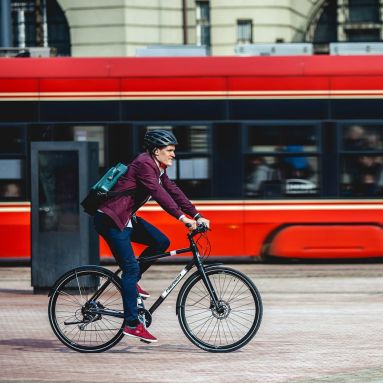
16 291
29 344
167 347
37 345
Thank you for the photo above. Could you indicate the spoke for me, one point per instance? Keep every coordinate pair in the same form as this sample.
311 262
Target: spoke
72 298
78 284
89 329
229 327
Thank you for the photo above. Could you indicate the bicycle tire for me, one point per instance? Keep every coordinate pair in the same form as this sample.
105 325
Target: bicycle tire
69 315
231 328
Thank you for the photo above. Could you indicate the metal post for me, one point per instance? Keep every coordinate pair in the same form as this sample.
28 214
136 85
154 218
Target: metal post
45 23
21 27
5 24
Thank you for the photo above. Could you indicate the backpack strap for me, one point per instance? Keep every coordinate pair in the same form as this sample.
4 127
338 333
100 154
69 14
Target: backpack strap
111 194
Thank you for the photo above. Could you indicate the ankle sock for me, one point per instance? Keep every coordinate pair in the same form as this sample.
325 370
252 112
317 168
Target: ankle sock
132 323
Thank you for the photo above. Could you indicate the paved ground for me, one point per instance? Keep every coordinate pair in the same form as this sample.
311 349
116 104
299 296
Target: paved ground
322 323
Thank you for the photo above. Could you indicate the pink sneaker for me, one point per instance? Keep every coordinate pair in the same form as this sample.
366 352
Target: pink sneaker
140 332
143 293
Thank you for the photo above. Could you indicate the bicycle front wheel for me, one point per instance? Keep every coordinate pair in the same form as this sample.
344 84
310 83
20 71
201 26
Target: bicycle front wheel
85 309
227 327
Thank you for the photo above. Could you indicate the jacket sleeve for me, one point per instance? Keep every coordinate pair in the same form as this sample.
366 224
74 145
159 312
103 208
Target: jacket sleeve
148 177
178 196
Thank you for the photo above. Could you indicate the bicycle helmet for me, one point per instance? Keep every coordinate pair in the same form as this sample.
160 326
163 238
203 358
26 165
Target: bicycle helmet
159 138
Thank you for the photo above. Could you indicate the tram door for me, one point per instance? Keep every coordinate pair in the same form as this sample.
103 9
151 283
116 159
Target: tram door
62 235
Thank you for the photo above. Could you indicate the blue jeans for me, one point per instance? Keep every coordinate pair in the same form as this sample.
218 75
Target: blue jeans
120 245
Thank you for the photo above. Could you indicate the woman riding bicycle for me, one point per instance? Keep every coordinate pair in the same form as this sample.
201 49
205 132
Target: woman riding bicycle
117 223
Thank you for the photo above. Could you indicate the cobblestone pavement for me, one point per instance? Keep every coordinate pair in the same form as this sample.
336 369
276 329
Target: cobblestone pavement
321 323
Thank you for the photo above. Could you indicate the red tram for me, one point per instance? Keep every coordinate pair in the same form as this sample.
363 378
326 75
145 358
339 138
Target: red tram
283 154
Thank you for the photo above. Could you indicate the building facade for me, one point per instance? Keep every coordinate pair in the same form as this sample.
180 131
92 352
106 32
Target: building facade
121 26
124 27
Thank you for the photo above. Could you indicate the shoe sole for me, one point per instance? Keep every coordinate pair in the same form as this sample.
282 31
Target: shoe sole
144 295
140 338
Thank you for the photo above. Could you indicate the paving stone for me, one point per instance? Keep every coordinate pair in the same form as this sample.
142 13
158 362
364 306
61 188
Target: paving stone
322 323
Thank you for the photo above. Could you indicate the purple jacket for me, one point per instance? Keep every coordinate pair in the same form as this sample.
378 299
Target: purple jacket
143 176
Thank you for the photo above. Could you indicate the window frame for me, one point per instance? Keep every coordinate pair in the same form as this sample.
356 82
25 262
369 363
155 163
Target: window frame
318 153
241 23
181 155
341 152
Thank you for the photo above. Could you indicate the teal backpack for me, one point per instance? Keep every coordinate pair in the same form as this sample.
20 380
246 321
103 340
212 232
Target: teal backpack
110 178
101 190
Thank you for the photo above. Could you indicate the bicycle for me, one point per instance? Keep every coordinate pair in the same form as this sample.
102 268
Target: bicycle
219 308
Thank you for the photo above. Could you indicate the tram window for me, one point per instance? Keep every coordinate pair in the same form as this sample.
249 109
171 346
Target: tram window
71 133
11 190
12 139
277 176
11 175
281 161
277 138
362 176
194 168
191 167
92 133
191 139
358 137
361 161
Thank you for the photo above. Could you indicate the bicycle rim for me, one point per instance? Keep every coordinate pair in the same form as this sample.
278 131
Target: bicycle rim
230 327
74 316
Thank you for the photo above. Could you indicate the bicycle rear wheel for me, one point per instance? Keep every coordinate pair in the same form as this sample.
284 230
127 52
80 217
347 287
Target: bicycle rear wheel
85 309
233 324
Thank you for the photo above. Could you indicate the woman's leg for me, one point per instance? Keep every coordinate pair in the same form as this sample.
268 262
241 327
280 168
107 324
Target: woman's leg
147 234
120 245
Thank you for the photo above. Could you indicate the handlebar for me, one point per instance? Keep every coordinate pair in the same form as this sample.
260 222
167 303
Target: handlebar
201 228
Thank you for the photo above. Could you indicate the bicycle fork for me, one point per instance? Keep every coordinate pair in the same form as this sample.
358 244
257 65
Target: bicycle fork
209 286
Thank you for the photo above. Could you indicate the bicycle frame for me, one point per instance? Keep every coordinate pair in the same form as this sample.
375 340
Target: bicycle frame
196 261
219 308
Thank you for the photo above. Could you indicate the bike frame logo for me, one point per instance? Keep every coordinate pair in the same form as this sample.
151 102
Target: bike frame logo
174 283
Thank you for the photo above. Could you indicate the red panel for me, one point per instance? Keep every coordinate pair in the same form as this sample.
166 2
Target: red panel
206 66
178 84
357 83
318 65
18 85
15 235
55 67
242 228
331 241
191 66
224 226
278 83
80 85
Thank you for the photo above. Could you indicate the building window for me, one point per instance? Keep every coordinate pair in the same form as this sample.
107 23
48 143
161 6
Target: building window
363 35
37 24
203 23
345 20
364 11
244 31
